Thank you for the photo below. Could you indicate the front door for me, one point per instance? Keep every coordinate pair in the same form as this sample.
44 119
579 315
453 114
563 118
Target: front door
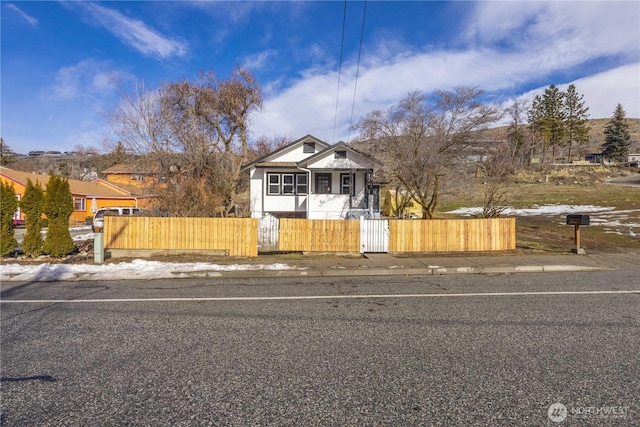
323 183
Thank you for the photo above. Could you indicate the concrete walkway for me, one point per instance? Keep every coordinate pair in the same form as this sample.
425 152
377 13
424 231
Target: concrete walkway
386 264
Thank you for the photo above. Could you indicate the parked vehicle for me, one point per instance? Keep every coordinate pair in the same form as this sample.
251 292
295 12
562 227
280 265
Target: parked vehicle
98 218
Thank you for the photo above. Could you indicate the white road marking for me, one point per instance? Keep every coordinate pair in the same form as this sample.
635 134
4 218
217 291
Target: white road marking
317 297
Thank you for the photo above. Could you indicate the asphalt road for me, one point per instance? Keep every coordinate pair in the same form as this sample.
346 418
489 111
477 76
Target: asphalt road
438 350
633 180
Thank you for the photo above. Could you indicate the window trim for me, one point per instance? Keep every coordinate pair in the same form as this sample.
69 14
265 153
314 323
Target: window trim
350 187
308 147
297 183
83 204
271 184
290 186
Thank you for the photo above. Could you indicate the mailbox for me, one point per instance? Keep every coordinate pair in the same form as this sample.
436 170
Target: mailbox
577 219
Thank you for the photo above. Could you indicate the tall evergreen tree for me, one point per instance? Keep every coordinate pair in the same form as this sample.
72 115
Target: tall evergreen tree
576 115
32 204
547 119
58 206
617 139
8 206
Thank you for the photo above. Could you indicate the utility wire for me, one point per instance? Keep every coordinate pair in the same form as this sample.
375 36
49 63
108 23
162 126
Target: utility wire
355 87
335 117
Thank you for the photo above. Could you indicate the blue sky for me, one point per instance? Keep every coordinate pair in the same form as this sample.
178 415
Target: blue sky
58 58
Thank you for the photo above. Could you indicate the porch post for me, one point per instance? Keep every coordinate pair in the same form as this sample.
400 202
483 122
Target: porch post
369 189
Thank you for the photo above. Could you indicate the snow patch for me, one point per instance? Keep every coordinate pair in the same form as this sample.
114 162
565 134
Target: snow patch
537 210
137 270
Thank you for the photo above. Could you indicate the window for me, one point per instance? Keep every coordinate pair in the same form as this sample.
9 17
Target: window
273 183
309 147
301 183
287 183
346 184
323 183
79 204
137 177
341 154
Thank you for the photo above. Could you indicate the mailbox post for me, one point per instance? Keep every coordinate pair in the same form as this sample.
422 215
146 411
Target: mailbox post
577 220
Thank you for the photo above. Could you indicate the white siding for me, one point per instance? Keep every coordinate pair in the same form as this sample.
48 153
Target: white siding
295 154
288 203
255 190
328 206
353 161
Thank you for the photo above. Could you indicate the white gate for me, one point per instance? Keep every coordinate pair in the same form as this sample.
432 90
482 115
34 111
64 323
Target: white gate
268 231
374 235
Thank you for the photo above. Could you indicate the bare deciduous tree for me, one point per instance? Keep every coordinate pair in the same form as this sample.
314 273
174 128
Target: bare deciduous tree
424 140
265 145
497 169
195 133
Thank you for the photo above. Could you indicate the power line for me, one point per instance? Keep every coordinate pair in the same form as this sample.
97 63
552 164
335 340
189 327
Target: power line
355 87
335 117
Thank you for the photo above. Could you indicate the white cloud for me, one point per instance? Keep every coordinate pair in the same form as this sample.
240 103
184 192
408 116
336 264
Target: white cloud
603 91
133 32
586 29
258 60
543 39
30 19
85 79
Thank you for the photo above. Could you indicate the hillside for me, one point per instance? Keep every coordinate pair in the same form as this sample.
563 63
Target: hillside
596 135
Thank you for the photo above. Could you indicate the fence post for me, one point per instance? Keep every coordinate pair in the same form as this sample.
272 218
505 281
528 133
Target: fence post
98 248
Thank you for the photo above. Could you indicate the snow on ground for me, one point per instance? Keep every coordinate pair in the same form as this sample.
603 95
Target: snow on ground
545 210
135 270
618 222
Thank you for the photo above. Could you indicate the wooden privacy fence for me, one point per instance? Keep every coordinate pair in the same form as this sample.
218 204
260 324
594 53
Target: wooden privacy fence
238 236
445 235
319 235
452 235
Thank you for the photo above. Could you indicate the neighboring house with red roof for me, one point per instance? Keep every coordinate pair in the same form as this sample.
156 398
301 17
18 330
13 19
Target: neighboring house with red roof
88 197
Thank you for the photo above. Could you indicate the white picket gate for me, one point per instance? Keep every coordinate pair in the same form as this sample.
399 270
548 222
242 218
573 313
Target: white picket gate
268 232
374 235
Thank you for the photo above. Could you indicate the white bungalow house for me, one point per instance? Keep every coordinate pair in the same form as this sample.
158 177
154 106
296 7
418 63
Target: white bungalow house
312 179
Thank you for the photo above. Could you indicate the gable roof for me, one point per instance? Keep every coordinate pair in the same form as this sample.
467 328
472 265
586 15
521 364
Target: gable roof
96 188
264 160
339 146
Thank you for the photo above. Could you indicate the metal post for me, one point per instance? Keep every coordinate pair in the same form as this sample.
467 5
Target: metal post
98 248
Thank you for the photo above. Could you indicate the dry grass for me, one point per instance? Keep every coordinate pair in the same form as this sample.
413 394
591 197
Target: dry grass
566 186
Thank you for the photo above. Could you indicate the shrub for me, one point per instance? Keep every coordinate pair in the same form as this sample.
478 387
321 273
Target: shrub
58 206
8 206
32 205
